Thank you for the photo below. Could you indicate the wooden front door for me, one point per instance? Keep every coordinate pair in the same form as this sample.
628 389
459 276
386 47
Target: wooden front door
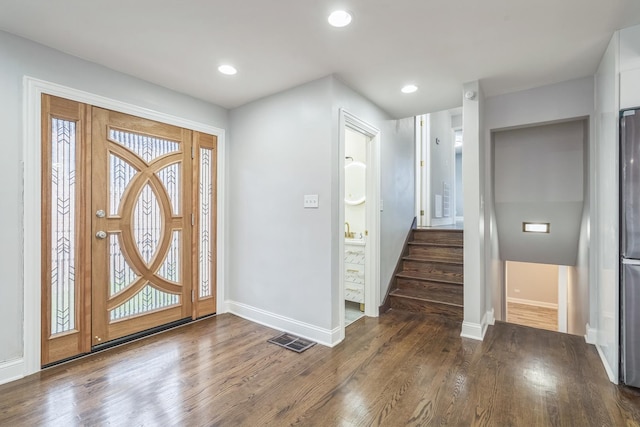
141 266
128 226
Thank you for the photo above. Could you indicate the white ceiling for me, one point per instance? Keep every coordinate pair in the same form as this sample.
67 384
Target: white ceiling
508 45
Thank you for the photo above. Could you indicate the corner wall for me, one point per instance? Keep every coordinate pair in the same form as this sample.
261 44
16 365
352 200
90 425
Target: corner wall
284 259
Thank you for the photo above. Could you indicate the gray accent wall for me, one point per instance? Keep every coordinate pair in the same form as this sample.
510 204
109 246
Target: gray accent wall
539 177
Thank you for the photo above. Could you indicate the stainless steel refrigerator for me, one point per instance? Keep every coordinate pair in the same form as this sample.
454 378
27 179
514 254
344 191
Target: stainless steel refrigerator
630 246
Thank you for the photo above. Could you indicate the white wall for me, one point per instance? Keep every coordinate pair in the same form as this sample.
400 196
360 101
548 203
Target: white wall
280 254
629 67
605 208
284 260
19 57
547 104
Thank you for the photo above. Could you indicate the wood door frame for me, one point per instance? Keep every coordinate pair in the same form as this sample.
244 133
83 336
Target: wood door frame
32 165
372 249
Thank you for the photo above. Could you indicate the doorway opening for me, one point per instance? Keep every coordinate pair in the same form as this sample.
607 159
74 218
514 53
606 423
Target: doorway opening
439 146
360 217
536 295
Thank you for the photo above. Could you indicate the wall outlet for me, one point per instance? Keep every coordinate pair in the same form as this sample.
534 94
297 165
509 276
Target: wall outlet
310 201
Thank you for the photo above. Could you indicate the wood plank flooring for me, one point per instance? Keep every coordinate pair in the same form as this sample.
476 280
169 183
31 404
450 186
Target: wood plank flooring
529 315
396 370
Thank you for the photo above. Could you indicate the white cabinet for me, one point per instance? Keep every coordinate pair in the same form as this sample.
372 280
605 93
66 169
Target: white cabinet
354 276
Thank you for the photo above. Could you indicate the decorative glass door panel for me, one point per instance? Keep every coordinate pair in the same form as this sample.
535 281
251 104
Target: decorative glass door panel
128 226
205 204
141 269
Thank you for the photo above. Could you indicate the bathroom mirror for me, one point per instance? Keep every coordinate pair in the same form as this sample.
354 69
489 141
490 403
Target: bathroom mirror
355 175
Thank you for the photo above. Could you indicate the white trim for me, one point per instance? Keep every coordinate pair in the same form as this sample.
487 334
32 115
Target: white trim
592 335
33 89
563 284
533 303
11 370
322 336
418 172
477 331
372 248
605 363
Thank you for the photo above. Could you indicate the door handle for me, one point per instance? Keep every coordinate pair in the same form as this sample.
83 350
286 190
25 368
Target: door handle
100 213
101 235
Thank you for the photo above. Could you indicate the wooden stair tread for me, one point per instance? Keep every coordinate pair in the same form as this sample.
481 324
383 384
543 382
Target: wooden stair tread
437 245
426 295
438 230
431 259
414 275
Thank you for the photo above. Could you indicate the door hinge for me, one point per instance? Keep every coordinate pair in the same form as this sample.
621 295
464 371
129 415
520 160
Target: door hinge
422 163
193 152
421 122
421 212
193 220
193 296
366 232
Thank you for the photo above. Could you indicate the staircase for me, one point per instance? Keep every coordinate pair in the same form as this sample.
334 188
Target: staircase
430 279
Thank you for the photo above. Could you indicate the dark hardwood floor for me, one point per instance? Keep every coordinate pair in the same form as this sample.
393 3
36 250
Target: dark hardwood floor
396 370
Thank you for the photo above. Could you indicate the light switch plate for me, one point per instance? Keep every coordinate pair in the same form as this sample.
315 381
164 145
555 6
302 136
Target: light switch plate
310 201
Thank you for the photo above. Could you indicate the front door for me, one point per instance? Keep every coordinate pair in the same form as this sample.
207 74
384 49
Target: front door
141 265
124 250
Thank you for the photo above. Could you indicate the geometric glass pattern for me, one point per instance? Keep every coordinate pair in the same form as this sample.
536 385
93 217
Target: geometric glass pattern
63 250
147 223
121 175
205 209
120 272
148 299
170 268
147 147
170 178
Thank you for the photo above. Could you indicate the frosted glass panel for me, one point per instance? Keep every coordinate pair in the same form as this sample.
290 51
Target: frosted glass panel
170 177
148 299
206 235
147 223
120 272
121 175
63 250
147 147
170 268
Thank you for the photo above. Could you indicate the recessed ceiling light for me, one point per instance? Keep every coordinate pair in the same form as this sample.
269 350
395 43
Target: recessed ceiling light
340 18
227 69
409 89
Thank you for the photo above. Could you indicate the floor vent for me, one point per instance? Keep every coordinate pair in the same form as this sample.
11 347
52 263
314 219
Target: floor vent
292 342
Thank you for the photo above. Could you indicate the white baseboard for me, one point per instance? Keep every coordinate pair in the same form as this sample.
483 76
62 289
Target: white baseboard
472 330
607 368
533 303
477 331
322 336
592 335
11 370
